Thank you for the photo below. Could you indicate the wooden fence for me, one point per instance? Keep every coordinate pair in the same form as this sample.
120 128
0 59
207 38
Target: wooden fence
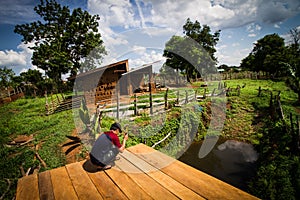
156 104
276 112
234 75
11 94
57 103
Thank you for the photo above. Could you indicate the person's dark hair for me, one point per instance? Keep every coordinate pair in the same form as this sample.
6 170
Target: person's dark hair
116 126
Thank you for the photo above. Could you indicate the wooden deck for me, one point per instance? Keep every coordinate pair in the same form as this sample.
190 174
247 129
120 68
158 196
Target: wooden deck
141 173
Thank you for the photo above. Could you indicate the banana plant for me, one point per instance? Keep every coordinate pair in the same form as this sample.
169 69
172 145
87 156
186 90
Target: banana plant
92 127
92 124
84 115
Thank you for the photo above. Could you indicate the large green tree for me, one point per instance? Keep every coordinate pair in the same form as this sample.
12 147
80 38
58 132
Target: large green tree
293 62
6 76
267 55
202 35
192 54
32 76
62 39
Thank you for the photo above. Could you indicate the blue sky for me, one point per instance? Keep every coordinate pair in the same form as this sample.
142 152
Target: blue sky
138 29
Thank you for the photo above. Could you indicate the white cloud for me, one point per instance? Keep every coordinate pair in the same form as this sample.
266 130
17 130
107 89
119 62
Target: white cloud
235 44
276 26
252 35
7 58
233 56
114 12
128 29
17 11
171 15
146 58
18 61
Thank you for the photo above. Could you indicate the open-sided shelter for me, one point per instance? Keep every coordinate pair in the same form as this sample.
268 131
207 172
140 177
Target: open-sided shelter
103 83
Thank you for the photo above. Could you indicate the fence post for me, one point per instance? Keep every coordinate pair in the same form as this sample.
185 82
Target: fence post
259 91
186 97
279 106
204 95
238 90
150 98
166 99
177 99
118 100
213 92
135 105
298 132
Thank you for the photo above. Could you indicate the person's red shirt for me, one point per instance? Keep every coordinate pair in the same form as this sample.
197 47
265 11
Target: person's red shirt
114 138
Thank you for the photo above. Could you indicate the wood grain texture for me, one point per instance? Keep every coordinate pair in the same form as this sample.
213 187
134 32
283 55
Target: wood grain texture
45 186
141 173
28 188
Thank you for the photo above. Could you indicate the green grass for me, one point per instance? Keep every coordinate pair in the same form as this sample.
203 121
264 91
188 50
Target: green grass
246 113
244 116
27 117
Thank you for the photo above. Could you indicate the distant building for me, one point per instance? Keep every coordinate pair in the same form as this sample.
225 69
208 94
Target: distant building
102 83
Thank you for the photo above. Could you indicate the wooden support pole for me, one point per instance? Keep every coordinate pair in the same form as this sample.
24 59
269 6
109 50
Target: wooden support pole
135 105
213 92
150 98
280 107
118 100
238 88
271 100
186 97
166 99
298 132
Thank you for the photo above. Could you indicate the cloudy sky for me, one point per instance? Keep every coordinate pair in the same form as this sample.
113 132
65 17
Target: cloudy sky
138 29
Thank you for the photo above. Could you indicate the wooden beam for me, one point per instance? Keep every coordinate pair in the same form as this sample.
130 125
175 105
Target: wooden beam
28 188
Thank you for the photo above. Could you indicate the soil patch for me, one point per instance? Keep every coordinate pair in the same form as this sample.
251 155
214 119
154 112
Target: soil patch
73 152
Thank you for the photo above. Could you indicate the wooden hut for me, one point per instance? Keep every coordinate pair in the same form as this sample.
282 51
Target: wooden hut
103 83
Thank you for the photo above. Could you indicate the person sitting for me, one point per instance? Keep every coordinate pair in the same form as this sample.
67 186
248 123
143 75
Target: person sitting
107 146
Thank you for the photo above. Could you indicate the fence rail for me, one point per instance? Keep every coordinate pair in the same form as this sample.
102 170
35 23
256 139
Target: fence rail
156 104
10 95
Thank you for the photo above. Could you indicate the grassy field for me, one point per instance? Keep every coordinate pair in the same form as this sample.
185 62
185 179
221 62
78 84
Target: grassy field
26 117
245 113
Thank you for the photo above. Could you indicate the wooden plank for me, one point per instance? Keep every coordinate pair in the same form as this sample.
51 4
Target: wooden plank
164 180
203 184
106 186
62 185
82 184
45 186
156 191
28 188
174 186
103 183
126 184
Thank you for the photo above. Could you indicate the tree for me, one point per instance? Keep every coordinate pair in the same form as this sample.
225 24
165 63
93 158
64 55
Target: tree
202 36
62 39
224 67
267 55
6 76
32 76
248 63
193 53
293 62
